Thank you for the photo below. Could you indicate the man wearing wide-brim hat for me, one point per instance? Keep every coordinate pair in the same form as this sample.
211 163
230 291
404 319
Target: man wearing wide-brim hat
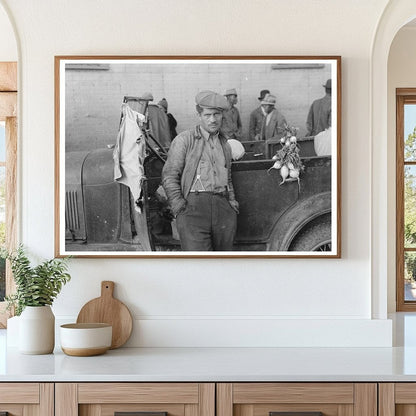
231 122
197 180
256 118
274 122
319 116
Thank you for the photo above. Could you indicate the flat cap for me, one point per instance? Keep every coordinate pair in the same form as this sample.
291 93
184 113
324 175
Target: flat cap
231 91
210 99
147 96
269 100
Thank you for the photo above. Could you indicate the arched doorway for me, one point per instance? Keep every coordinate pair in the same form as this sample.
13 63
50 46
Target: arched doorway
397 14
401 103
8 150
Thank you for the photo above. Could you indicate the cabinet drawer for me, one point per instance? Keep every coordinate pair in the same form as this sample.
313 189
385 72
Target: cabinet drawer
108 399
397 399
138 393
19 393
309 399
21 399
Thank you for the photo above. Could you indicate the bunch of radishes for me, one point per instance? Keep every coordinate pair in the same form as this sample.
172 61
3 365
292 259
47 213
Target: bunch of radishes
287 159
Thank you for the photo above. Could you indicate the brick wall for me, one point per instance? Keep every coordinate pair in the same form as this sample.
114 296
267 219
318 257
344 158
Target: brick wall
94 96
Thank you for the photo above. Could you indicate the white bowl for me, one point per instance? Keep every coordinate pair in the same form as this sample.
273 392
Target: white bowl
85 339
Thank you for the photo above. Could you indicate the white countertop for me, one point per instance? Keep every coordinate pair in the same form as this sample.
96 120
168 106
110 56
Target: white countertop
222 364
215 364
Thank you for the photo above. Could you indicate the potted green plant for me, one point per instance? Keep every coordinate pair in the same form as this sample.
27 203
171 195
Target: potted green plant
36 289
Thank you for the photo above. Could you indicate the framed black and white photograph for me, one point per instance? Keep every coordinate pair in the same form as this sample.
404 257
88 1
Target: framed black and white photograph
198 156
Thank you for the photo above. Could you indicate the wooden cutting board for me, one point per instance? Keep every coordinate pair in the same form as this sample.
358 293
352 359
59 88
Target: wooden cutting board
108 310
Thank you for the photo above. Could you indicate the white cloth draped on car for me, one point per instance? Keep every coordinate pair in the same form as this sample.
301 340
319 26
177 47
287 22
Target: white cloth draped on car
322 142
130 151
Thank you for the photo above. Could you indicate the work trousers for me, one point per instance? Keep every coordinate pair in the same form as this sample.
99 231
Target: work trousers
208 223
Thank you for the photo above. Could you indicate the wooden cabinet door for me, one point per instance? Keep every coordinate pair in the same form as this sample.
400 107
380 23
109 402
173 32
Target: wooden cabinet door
297 399
397 399
143 399
26 399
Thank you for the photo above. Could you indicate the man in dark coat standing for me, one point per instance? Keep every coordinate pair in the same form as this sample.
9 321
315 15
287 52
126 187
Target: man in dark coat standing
319 117
172 121
197 180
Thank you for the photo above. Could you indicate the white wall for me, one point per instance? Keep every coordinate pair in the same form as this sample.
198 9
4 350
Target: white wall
203 302
8 46
401 74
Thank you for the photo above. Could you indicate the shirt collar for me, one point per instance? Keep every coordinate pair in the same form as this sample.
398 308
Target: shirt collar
206 135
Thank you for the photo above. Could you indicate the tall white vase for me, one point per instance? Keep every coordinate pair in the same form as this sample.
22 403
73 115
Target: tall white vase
37 330
12 334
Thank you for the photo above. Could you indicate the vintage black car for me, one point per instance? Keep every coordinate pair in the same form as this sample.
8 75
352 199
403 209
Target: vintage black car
101 216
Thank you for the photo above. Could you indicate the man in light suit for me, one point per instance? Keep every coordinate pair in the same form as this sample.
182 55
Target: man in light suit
256 119
274 123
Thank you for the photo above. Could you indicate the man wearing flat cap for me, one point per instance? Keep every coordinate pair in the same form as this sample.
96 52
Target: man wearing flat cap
197 180
231 121
274 122
257 118
319 116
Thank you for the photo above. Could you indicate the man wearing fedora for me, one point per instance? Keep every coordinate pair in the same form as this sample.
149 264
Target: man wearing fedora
231 122
319 116
256 119
197 180
274 122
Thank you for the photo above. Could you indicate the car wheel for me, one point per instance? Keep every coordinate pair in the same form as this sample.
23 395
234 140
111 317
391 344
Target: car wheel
315 236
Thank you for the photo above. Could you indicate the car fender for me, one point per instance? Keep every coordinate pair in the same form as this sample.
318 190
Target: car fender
296 217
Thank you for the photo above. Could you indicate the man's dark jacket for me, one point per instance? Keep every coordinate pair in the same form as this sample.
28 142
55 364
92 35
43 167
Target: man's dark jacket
181 165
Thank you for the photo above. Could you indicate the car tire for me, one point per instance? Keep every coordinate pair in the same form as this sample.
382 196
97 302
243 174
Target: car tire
315 236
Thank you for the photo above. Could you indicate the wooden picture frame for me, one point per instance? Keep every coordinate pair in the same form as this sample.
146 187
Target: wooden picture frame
8 117
293 214
405 301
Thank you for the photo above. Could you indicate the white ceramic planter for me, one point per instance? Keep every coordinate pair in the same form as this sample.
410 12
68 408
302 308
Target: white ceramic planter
37 330
12 334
